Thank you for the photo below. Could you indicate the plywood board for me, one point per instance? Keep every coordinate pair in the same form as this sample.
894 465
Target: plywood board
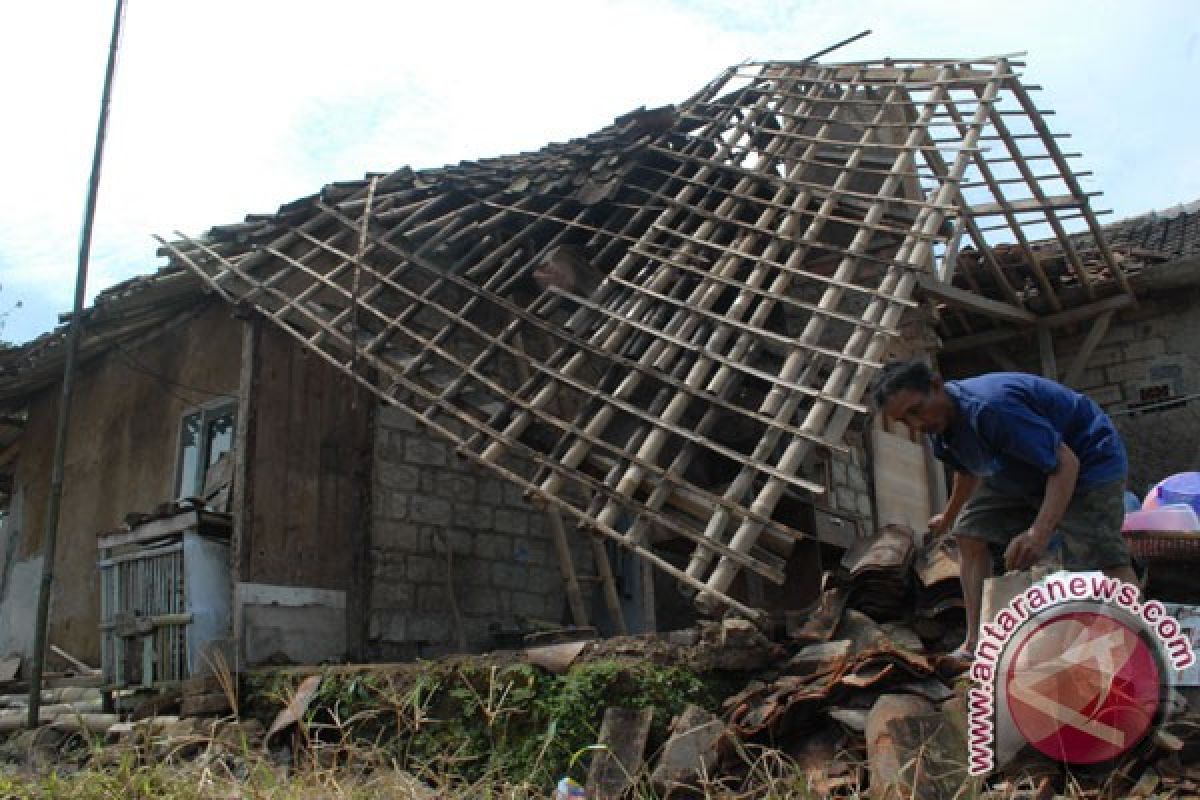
901 482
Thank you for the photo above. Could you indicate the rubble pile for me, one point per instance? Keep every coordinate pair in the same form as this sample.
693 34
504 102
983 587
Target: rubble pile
854 696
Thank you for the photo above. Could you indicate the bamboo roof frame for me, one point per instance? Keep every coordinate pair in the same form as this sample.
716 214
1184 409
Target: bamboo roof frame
704 225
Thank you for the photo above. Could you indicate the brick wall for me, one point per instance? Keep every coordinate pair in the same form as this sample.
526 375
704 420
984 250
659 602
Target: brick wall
503 565
1152 351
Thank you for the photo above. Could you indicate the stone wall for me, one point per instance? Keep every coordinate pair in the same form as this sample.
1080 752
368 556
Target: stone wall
440 524
1149 356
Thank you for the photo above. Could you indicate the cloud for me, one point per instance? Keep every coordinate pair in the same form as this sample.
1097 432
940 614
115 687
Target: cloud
226 108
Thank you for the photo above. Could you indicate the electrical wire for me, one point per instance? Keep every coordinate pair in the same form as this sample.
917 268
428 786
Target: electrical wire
132 363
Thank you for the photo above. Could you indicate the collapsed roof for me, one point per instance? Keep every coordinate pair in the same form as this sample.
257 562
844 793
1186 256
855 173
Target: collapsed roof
651 328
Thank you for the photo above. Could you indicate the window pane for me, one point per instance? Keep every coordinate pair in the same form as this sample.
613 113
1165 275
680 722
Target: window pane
220 436
189 452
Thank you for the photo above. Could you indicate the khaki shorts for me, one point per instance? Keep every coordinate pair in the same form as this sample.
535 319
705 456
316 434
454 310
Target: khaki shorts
1090 529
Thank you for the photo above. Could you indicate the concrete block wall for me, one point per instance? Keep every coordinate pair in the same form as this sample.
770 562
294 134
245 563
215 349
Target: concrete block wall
502 564
850 493
1150 352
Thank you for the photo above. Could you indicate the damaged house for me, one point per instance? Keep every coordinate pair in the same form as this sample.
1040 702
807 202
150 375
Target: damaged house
612 383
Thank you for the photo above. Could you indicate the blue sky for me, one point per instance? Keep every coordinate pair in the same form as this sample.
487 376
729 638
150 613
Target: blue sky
225 108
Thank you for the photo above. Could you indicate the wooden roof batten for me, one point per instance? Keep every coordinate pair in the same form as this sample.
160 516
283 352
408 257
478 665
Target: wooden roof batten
587 321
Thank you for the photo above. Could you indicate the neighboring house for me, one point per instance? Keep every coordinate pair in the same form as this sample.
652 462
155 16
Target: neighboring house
438 410
1139 359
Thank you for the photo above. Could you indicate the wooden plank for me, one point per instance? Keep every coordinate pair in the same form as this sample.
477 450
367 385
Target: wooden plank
154 529
902 495
1094 336
974 302
353 482
1046 352
1025 205
1068 317
268 471
616 766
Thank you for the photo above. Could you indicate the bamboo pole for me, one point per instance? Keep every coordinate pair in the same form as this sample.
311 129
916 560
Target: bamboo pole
74 326
1035 189
612 334
462 417
1060 160
784 406
1031 256
704 296
854 384
700 372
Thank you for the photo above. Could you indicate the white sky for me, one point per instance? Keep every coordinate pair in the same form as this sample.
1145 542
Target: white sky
228 107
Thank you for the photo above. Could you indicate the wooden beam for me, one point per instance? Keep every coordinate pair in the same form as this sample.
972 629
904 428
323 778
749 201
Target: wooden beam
1046 350
1080 314
242 500
1001 358
10 452
974 302
1093 338
1024 205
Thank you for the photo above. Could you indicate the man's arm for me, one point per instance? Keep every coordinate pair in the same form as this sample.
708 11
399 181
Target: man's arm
1024 550
963 487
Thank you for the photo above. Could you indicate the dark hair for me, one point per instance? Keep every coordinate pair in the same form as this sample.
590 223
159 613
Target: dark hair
898 376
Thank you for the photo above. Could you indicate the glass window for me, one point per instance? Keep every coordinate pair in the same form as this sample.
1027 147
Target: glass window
204 437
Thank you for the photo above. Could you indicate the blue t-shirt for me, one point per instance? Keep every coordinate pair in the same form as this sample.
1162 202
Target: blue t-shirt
1009 426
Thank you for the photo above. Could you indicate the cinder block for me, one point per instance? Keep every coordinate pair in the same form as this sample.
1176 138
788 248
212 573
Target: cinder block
393 595
387 625
1126 372
493 546
455 485
472 572
396 476
396 419
388 566
396 535
432 597
509 521
430 627
1104 357
485 601
534 605
510 576
421 450
514 495
1144 348
429 510
425 569
846 498
544 580
490 491
390 506
472 516
856 480
1107 396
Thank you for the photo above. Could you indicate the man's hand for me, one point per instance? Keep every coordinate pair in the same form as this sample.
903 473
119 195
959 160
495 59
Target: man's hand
1025 550
939 524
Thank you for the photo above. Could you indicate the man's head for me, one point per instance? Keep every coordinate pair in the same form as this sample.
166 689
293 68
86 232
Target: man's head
912 393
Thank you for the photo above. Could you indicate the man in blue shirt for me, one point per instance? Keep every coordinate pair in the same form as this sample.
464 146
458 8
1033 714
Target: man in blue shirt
1030 457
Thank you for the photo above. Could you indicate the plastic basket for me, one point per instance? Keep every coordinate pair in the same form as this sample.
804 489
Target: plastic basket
1159 546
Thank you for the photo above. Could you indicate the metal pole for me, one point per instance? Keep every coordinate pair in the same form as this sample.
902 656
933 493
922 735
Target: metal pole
64 406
